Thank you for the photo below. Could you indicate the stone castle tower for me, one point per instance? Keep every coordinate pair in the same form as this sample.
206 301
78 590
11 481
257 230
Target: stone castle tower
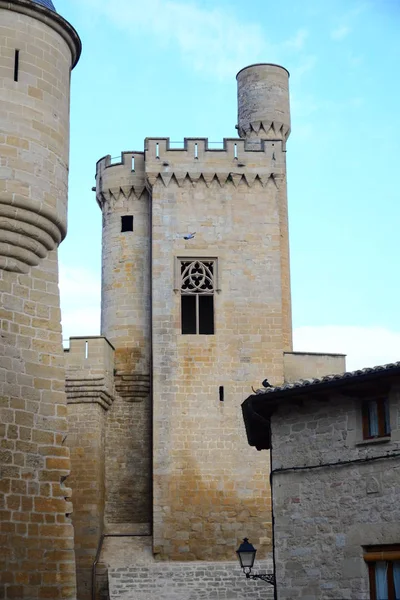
195 310
38 49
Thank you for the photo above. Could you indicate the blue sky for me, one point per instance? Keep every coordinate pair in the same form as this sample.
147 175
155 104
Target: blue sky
167 68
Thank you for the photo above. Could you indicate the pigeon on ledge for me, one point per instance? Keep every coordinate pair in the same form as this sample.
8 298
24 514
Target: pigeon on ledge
266 384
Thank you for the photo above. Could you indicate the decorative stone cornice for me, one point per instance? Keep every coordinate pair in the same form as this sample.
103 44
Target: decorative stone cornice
132 387
28 231
271 130
88 389
111 195
181 179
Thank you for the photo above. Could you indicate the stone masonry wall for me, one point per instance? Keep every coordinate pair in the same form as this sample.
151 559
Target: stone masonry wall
90 387
134 575
324 516
36 545
86 438
209 490
307 365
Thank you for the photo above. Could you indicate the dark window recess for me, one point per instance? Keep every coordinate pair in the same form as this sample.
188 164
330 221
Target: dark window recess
221 393
376 422
206 315
126 223
188 314
16 65
197 314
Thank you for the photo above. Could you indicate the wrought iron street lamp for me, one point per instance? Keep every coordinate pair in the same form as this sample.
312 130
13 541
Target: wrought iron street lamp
246 555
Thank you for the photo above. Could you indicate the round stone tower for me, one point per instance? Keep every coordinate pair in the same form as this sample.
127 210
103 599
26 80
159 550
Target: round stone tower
264 118
38 49
263 102
125 321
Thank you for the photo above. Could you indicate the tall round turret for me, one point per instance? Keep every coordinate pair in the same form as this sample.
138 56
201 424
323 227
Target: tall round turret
263 102
38 48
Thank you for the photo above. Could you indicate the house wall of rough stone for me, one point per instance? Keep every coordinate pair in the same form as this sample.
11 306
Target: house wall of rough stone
308 365
324 516
209 491
37 555
125 321
90 392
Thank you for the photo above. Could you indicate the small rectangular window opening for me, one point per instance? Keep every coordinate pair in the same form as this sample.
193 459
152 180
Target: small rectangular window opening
235 152
16 65
133 163
196 151
221 393
376 421
157 150
126 223
86 349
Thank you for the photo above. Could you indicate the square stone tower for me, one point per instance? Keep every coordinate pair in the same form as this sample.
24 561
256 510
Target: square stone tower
196 303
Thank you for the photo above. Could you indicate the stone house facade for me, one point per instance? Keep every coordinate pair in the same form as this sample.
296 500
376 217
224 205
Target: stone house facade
335 474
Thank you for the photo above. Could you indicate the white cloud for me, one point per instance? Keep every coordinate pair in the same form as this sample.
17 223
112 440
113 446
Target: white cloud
364 346
80 302
306 64
298 41
340 32
210 40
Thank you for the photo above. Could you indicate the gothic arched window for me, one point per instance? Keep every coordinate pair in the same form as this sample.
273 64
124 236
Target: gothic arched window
197 287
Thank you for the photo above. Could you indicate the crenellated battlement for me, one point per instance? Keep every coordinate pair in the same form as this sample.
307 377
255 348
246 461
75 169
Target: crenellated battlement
239 160
124 178
131 160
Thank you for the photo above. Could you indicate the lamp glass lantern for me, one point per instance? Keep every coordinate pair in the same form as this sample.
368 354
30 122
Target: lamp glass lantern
246 555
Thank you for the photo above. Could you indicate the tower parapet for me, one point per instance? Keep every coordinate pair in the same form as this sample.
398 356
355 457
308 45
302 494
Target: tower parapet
115 180
239 161
263 102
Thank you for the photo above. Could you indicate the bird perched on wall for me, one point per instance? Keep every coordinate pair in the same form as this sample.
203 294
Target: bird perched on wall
266 384
189 236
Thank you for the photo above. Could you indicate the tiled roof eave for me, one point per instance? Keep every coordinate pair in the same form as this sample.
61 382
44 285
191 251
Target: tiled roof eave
330 381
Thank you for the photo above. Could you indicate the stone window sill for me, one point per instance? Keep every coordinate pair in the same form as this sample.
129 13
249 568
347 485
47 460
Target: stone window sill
378 440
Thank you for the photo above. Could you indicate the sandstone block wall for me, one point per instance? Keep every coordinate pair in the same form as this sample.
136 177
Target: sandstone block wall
308 365
36 546
90 392
209 490
37 554
324 516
